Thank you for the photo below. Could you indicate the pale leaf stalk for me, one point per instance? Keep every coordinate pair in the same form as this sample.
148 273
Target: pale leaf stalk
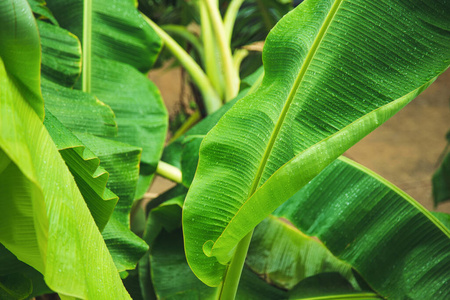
231 82
211 100
87 37
182 31
230 17
238 56
212 67
168 171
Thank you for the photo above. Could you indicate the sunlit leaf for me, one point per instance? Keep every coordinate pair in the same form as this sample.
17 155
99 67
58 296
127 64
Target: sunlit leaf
334 71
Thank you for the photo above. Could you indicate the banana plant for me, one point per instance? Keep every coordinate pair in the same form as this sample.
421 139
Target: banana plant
265 207
334 71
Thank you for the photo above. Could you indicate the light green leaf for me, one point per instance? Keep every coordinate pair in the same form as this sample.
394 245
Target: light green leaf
395 244
18 40
286 256
44 220
334 71
90 177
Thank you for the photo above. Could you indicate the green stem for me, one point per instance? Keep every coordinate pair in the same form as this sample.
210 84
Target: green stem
210 98
230 17
185 34
234 270
191 121
168 171
213 69
231 82
87 37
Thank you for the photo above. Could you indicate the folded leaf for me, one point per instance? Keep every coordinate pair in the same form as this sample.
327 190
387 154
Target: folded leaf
90 177
122 163
122 46
334 71
395 244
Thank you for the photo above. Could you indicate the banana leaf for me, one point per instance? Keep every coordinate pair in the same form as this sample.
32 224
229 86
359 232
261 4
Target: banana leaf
85 114
61 55
90 177
170 276
44 220
400 249
122 163
40 9
121 49
334 71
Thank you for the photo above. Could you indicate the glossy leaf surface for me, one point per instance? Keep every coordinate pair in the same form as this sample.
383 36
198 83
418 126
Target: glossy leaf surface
395 244
334 71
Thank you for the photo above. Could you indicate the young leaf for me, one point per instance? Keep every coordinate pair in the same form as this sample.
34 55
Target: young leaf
395 244
334 71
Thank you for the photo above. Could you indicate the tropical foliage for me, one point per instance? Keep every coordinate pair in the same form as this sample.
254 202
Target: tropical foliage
265 206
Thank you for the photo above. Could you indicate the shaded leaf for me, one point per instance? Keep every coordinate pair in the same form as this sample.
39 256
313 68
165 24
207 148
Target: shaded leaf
328 286
395 244
61 55
286 256
441 182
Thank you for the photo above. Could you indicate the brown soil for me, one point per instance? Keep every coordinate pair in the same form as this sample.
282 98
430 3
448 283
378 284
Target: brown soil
404 150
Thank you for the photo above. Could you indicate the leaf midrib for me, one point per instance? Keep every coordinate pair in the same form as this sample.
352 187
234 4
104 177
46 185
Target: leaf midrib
293 92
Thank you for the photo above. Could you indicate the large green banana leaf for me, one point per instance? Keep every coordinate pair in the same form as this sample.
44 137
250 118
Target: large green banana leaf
334 71
90 177
122 46
44 219
85 114
441 178
399 248
122 162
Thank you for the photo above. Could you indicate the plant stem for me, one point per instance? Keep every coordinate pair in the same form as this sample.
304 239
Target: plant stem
168 171
192 120
231 82
213 69
230 17
187 35
234 270
87 37
210 98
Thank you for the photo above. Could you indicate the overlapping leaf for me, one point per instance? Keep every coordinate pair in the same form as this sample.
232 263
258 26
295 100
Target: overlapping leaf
334 71
45 221
122 46
397 246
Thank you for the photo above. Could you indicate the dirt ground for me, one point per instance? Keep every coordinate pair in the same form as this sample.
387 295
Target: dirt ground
404 150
